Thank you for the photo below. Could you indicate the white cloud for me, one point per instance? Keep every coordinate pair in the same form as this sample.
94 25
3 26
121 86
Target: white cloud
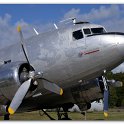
8 31
72 13
95 14
5 20
118 69
116 25
102 13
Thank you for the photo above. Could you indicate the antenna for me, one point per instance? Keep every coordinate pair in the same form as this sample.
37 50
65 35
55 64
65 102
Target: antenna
68 20
36 31
74 20
55 26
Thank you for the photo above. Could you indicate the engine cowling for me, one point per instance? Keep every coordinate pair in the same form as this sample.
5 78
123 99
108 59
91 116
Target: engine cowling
87 92
12 75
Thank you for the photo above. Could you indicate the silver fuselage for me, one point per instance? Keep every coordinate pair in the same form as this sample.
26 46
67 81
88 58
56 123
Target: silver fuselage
66 61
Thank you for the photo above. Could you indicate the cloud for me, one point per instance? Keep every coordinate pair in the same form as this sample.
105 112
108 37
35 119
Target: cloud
118 69
5 20
104 12
9 34
72 13
6 30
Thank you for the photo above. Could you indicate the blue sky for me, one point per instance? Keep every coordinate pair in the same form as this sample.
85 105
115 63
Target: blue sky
42 13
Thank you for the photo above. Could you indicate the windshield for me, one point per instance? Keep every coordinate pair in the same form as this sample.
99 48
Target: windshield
87 31
77 35
97 30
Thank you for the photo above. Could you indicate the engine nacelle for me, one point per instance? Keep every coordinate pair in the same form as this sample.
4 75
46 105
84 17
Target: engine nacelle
87 92
10 78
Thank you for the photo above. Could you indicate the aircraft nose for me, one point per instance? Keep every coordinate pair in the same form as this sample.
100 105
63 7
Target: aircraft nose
114 44
119 39
114 39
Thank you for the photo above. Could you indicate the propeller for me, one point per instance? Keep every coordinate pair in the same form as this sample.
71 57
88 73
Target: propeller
22 43
106 95
32 80
19 96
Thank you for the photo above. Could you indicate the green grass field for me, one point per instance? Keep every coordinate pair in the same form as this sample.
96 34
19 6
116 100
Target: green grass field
114 114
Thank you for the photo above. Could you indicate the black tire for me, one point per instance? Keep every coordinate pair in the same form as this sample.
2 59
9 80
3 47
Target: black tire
66 119
6 117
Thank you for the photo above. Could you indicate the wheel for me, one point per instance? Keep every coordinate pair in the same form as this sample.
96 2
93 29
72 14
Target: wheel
66 119
6 117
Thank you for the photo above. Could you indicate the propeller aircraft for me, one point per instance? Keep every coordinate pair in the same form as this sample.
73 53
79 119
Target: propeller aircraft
59 68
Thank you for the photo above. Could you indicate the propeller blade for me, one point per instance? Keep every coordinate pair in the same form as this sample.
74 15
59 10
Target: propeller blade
115 83
22 43
52 87
19 96
106 95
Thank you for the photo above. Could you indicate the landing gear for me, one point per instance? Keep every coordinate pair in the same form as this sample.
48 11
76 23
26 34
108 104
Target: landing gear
47 115
6 117
59 114
65 114
84 114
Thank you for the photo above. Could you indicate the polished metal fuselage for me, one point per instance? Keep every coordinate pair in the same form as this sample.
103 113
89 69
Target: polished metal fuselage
65 61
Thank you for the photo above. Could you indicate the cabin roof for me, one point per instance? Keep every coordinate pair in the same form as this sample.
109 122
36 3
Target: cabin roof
87 25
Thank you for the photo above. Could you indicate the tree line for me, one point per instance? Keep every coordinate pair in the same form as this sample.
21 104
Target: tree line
116 94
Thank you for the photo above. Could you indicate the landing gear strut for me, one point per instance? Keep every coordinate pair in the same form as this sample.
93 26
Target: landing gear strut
47 115
65 114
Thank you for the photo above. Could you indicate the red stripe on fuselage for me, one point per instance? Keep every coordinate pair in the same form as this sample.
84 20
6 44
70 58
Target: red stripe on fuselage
91 52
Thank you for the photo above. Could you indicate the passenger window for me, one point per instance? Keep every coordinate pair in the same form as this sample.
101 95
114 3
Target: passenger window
77 35
87 31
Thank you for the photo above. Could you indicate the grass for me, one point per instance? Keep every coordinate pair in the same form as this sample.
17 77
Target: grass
114 114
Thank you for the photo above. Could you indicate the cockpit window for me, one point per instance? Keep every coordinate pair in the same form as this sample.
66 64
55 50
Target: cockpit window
77 35
97 30
87 31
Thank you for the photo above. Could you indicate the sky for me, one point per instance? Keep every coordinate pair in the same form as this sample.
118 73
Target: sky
34 13
43 16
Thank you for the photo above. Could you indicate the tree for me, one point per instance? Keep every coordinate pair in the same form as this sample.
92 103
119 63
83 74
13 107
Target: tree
116 97
112 97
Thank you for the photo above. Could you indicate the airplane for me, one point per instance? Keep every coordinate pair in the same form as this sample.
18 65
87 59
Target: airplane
59 68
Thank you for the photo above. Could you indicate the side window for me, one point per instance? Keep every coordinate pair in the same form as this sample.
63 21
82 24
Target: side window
77 35
87 31
97 30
